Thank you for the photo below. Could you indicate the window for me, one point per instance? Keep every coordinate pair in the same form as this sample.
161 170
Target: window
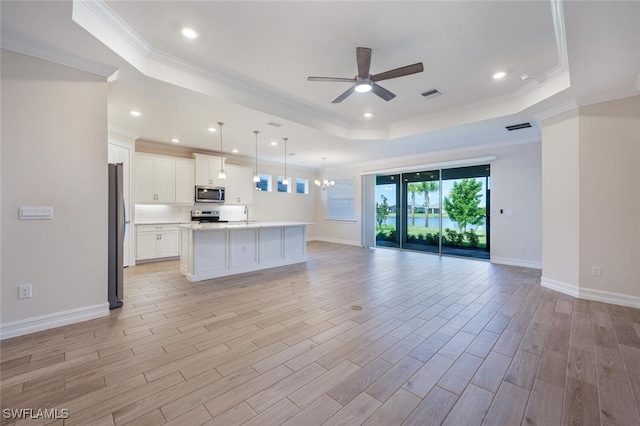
340 200
264 184
282 187
302 186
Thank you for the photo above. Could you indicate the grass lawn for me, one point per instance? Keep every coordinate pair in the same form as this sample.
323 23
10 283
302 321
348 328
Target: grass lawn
429 235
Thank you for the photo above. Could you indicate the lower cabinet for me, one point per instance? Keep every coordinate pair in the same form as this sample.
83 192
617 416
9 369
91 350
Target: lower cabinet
157 241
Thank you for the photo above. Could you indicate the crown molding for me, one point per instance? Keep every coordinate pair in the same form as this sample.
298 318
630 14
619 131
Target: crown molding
100 20
97 18
25 47
556 110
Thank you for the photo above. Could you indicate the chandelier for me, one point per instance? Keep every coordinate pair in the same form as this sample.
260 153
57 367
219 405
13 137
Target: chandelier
325 183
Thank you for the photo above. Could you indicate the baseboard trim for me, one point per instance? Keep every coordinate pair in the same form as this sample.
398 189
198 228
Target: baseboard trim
337 241
591 294
45 322
609 297
516 262
560 286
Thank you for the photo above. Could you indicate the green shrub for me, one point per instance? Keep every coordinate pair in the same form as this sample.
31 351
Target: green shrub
474 240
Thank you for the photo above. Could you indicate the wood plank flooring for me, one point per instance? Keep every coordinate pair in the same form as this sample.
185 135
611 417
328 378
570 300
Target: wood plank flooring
438 341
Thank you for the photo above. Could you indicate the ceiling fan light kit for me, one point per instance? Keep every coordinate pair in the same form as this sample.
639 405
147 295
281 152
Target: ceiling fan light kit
365 82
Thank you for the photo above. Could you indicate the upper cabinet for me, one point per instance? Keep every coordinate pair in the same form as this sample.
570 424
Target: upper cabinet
185 181
160 179
167 180
207 169
155 179
239 186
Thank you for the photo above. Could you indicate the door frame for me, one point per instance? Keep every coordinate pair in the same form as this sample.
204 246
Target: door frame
128 199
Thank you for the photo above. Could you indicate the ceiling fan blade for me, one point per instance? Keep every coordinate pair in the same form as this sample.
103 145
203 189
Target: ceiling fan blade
382 92
399 72
344 96
363 56
347 80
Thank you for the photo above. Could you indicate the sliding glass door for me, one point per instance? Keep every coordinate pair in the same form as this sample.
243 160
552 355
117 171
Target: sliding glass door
440 211
421 206
465 218
387 206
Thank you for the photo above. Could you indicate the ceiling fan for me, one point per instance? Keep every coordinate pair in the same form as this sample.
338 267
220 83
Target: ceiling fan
364 82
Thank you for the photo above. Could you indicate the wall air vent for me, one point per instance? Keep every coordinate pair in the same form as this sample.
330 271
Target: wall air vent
431 93
274 124
518 126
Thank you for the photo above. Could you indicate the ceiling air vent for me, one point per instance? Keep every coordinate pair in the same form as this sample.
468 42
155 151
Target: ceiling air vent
274 124
431 93
518 126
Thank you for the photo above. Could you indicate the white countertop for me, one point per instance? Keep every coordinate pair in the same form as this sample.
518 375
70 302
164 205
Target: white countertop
172 222
236 225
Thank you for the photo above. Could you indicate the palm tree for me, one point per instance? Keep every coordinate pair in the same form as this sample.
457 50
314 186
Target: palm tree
413 188
426 188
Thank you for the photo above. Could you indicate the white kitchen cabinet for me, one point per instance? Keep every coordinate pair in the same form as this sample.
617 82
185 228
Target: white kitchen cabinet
157 241
207 169
185 181
155 179
239 187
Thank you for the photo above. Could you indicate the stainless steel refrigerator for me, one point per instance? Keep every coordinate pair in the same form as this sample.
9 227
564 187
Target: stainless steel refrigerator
116 236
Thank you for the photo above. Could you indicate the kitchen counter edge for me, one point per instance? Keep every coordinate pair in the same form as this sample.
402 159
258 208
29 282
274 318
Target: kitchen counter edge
241 225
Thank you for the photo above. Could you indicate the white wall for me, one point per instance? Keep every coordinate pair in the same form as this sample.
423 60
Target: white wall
560 201
591 202
609 197
516 186
279 206
54 153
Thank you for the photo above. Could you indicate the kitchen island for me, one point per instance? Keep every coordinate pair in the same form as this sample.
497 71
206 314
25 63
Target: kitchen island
212 250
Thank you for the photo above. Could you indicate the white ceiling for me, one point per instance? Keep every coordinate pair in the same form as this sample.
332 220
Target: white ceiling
250 63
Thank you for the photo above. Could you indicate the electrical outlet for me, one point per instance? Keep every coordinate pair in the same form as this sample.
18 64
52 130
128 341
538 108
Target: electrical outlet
24 291
595 271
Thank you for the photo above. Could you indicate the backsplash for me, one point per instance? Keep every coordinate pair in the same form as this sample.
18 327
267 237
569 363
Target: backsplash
169 213
162 213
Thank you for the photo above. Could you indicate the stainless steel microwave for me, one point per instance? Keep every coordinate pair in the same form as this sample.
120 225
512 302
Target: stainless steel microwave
209 194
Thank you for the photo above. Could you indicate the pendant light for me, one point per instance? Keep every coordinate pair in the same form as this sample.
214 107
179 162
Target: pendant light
256 177
285 181
325 183
221 174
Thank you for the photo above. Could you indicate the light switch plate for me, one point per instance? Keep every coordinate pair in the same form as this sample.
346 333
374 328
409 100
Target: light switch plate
36 213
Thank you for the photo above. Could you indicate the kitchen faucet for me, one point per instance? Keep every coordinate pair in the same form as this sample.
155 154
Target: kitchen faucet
246 212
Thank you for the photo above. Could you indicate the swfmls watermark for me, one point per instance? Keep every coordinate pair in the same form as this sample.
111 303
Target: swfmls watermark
39 413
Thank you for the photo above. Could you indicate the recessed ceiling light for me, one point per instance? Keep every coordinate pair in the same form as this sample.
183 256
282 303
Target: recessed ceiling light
274 143
235 151
499 75
189 33
368 115
526 76
212 129
135 113
175 140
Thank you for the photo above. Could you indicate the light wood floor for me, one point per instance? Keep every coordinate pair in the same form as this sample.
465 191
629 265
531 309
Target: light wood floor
438 341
